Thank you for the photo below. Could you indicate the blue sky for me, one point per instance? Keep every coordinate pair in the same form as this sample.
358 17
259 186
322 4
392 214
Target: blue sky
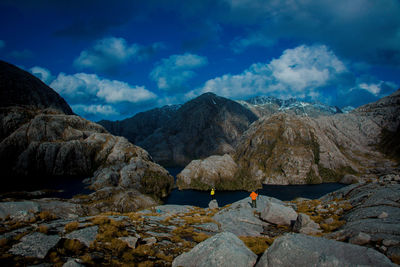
112 59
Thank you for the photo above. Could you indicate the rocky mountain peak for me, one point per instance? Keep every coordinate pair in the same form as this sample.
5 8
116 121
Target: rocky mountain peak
20 88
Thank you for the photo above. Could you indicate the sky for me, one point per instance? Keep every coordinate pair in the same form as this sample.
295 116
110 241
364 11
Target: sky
112 59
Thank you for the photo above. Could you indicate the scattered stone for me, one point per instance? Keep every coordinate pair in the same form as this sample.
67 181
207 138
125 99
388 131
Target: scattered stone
278 214
35 245
150 240
86 235
383 215
390 242
213 204
210 227
73 263
317 251
329 220
223 249
360 239
130 240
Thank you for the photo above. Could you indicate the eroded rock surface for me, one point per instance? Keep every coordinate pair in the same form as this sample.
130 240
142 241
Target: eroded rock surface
224 249
304 250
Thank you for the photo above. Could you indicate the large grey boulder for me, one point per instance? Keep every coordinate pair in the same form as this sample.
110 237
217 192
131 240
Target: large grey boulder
303 250
213 204
86 235
278 214
35 245
224 249
239 218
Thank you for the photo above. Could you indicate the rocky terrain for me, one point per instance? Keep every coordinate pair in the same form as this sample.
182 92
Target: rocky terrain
40 142
360 219
290 149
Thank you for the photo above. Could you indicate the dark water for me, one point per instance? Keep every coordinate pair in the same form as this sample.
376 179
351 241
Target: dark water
282 192
59 187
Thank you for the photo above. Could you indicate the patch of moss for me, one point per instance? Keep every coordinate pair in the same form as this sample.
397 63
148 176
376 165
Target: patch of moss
153 183
257 244
312 178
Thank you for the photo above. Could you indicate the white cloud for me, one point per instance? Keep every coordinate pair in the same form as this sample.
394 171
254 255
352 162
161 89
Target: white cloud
109 53
240 44
2 44
98 110
90 87
298 72
174 71
42 73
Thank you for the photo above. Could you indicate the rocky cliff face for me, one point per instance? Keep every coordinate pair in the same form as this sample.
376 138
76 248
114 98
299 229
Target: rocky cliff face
143 124
204 126
38 144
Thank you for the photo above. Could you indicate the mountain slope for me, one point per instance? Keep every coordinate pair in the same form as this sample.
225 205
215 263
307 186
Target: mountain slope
204 126
143 124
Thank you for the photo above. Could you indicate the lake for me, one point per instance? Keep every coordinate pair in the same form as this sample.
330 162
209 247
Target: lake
282 192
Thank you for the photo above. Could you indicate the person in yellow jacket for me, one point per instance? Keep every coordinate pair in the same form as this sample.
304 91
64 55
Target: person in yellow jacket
212 193
253 196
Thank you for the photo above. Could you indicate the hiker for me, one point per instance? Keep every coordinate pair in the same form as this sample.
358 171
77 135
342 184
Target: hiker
253 196
212 193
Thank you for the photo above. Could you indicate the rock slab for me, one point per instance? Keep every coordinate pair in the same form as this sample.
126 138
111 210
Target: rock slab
224 249
316 251
35 245
85 235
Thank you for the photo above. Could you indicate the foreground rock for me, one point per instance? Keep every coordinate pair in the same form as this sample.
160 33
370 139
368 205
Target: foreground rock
214 171
303 250
35 245
223 249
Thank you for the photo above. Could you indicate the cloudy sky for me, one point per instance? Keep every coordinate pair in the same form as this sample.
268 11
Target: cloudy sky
112 59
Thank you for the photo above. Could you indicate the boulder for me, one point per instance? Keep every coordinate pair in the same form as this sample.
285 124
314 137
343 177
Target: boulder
349 179
86 235
306 250
305 225
278 214
35 245
73 263
223 249
360 239
213 204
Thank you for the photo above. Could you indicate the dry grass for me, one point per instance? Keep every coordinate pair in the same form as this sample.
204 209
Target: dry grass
257 244
3 242
46 216
72 226
73 246
43 229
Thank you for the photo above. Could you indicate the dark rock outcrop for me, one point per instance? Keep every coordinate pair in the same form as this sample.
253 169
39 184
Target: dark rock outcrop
20 88
207 125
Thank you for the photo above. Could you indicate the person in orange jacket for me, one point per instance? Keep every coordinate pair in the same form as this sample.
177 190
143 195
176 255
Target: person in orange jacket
253 196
